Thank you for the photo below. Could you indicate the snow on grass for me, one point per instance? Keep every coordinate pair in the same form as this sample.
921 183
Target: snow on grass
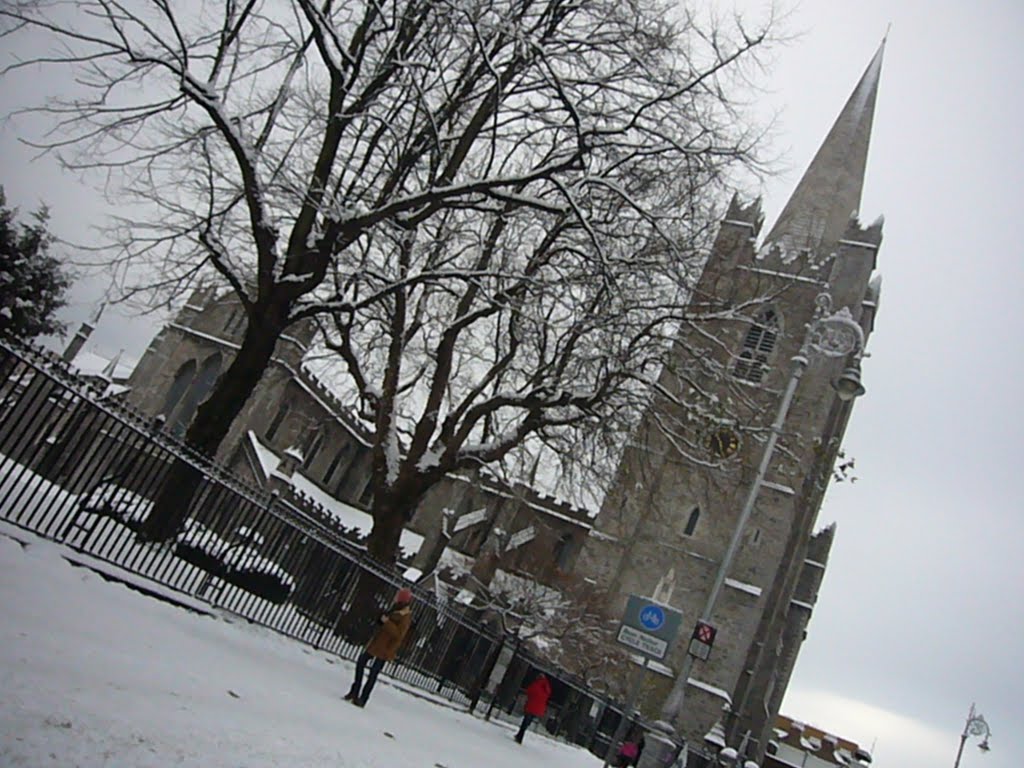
95 674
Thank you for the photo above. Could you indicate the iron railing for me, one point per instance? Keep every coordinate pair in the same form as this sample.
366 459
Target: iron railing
82 469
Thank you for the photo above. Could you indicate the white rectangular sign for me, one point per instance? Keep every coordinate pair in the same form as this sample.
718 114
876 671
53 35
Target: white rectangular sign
643 642
699 650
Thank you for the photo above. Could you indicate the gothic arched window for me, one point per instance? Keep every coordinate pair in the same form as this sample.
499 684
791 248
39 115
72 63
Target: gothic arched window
201 386
235 322
182 379
758 345
279 417
691 522
356 466
314 448
564 551
335 463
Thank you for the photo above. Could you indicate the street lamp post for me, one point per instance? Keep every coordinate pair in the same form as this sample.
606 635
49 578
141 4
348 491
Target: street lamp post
975 726
832 334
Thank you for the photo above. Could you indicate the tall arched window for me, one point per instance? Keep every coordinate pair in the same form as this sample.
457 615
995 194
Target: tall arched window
313 449
758 345
691 522
358 465
335 463
182 379
236 322
201 386
564 551
279 417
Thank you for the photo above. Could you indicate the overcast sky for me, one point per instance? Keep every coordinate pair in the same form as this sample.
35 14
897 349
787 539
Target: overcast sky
921 610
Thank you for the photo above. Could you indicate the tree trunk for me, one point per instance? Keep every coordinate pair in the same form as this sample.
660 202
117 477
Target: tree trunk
370 599
208 430
391 511
436 542
371 593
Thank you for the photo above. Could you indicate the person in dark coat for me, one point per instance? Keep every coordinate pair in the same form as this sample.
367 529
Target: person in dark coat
394 626
537 694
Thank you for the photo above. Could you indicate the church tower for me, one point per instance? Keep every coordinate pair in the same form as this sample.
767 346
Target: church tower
675 504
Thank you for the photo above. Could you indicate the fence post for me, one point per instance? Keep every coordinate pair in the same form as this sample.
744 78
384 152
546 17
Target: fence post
484 679
498 688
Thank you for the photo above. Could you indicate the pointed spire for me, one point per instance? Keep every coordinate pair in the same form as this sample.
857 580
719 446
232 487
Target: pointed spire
110 370
95 319
829 192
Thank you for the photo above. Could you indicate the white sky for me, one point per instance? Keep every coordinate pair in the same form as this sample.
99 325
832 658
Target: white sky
921 611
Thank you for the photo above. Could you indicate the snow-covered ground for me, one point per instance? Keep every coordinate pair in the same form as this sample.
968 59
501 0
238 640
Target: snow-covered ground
93 673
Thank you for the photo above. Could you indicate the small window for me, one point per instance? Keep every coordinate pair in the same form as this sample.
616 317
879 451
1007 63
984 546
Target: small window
758 345
723 443
691 522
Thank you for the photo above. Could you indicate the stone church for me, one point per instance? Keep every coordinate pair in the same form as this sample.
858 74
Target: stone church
668 521
295 436
666 526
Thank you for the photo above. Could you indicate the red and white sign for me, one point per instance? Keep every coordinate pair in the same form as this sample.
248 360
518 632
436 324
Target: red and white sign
702 640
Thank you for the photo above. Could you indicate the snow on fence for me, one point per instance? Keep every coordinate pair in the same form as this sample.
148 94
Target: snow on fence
83 470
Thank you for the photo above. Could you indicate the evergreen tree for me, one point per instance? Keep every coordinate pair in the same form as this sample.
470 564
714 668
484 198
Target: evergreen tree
33 282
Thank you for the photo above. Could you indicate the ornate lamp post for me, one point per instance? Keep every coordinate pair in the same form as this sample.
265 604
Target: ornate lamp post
975 726
831 334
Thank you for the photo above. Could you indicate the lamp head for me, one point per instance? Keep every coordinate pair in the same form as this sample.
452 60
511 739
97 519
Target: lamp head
848 385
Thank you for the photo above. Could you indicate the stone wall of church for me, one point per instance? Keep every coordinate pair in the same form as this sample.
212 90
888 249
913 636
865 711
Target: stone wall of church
645 528
291 409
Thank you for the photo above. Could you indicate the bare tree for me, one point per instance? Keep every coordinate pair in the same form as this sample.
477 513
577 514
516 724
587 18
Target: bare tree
340 157
567 624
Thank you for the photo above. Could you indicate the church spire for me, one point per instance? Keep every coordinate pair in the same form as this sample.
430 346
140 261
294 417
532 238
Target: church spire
829 192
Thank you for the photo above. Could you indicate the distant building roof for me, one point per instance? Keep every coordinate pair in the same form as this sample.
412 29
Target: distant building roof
798 744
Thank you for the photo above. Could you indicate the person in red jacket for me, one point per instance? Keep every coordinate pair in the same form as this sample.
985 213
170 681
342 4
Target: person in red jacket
537 694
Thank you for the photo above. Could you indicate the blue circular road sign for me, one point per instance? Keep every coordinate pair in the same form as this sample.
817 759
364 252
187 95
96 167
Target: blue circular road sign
652 617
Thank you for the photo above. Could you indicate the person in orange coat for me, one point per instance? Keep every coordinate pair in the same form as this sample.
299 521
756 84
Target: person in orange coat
537 694
394 626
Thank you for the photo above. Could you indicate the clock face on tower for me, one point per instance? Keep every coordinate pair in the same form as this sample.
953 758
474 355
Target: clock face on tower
723 443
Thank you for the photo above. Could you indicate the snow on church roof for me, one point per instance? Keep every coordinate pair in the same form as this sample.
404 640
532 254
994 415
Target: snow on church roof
267 459
346 514
88 363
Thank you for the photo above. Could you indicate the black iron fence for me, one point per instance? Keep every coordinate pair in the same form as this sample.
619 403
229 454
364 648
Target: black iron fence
78 467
